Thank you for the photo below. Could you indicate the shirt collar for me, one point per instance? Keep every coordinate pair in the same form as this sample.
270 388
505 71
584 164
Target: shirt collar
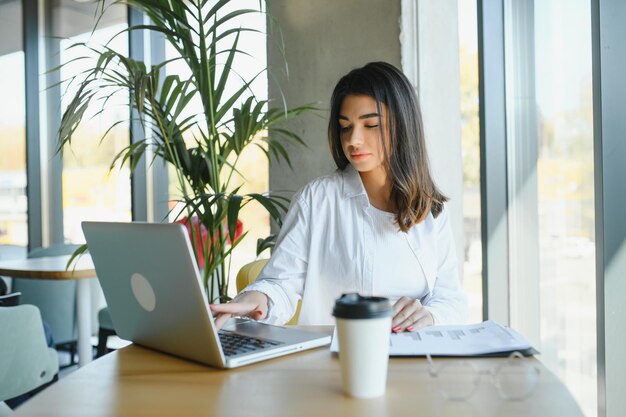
352 184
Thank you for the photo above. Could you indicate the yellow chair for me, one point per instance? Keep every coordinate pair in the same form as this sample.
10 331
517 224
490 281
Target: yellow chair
247 275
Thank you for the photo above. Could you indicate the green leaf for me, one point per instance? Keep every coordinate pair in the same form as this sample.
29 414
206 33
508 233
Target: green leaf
219 89
269 205
166 87
77 254
131 153
265 243
234 204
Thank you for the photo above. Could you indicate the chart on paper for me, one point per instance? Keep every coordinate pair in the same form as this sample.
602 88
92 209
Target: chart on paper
487 338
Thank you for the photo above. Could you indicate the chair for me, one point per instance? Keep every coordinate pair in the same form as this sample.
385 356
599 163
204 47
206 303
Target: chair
247 275
56 300
26 362
4 289
105 329
10 300
12 252
8 252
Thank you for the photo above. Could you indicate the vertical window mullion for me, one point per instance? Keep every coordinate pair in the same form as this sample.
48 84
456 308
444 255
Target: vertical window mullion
493 167
609 101
138 178
51 161
33 148
149 181
158 181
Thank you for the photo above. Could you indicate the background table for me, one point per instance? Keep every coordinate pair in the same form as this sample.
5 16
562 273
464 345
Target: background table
54 268
139 382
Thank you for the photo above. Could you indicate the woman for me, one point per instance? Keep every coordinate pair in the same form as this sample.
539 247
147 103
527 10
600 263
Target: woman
377 226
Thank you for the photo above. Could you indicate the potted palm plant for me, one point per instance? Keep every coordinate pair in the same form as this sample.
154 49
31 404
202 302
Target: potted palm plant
203 148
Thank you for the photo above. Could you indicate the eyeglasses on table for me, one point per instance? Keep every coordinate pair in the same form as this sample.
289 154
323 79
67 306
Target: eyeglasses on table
515 379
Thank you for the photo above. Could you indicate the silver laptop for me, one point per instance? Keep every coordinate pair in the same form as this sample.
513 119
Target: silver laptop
156 299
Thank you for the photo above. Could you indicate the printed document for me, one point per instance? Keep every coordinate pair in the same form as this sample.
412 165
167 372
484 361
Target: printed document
487 338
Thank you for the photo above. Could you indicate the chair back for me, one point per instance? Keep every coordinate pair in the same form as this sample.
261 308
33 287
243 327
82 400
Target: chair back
248 274
55 299
26 361
12 252
8 252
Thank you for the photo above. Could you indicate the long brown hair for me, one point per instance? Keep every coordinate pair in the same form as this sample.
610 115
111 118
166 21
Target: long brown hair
413 189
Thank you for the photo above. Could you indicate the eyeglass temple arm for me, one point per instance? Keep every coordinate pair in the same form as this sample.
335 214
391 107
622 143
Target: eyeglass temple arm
431 364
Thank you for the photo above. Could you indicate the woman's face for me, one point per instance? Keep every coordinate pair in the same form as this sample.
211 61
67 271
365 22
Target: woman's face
360 127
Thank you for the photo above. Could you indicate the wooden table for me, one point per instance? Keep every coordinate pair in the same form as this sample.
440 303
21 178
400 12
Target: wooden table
139 382
54 268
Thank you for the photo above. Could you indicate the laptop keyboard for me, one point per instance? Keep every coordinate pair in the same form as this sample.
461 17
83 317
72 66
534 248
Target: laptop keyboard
236 344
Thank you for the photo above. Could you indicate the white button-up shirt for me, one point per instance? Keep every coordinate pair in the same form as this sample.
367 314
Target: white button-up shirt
325 248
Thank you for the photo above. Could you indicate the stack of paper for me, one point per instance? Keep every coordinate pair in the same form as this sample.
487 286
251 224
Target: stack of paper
481 339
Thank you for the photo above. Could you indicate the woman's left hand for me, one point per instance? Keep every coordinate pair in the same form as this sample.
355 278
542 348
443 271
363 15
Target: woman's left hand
410 315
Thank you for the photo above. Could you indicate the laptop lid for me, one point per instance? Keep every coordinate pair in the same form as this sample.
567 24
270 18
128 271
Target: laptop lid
153 288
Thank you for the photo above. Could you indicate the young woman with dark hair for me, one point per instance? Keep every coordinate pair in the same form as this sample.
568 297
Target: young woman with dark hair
377 226
412 189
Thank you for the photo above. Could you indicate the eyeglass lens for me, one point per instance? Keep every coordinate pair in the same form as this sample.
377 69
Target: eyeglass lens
516 380
458 380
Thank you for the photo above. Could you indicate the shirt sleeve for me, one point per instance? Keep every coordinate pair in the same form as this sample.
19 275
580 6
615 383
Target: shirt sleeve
282 279
447 301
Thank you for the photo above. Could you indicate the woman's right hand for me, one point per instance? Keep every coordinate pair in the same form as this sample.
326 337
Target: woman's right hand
253 304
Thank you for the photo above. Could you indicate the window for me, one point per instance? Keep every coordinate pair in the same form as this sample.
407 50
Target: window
566 195
13 210
551 191
90 191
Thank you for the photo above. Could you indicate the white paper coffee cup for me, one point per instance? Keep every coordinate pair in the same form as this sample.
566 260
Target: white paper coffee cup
363 329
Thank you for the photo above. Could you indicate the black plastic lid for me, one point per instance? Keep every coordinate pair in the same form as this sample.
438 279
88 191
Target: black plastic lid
354 306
